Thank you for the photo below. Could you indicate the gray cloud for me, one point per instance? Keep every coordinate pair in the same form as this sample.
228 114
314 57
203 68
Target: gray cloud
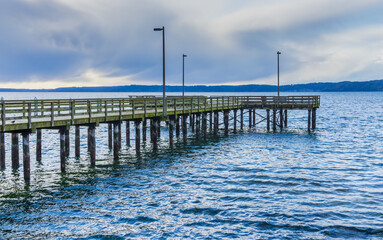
85 42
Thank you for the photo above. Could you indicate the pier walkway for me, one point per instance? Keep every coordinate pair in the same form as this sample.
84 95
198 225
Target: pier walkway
31 116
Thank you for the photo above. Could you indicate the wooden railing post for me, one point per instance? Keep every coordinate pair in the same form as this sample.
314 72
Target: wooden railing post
133 109
72 107
29 115
3 119
52 114
120 110
90 111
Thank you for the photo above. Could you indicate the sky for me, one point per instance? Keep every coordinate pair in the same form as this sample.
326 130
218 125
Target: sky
65 43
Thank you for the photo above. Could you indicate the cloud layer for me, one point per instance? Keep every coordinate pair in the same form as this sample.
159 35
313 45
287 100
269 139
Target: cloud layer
55 43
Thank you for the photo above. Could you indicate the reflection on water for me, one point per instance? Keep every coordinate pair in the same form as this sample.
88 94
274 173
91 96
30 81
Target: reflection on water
251 185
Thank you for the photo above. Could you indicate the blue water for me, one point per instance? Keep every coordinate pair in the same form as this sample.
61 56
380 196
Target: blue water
249 185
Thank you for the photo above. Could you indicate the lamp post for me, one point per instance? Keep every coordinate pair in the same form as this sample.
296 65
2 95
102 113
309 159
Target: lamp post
278 53
183 74
164 113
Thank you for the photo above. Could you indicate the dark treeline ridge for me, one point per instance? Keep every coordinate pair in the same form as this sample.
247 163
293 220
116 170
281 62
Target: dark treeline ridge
374 85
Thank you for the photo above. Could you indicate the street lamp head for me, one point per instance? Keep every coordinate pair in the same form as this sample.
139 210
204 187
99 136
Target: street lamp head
184 55
158 29
278 52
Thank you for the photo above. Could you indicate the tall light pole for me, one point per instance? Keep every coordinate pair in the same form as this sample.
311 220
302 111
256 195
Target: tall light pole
278 53
183 74
164 113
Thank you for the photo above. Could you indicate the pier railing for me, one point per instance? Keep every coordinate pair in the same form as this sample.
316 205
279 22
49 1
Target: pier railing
70 111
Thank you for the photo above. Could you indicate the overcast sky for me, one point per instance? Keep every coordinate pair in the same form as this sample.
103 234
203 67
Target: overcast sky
61 43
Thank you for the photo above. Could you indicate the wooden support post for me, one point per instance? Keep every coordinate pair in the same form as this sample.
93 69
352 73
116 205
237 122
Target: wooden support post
268 119
38 145
216 122
281 118
127 133
250 117
198 124
119 135
116 147
88 138
184 128
2 151
67 142
309 121
62 149
92 144
211 122
254 114
192 120
77 142
26 157
241 119
144 130
158 127
15 151
177 126
235 120
204 125
154 133
314 118
226 121
137 128
285 118
171 131
110 135
274 120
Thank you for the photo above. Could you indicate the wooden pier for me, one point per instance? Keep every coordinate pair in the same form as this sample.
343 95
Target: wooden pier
31 116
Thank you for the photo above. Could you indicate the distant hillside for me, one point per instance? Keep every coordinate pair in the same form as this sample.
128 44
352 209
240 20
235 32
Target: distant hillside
375 85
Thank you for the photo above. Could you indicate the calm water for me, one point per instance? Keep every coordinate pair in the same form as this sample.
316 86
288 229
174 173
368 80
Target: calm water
250 185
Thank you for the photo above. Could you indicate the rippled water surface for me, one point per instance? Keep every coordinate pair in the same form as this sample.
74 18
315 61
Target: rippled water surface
249 185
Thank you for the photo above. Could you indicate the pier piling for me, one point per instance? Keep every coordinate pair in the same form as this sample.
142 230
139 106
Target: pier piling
110 135
177 126
2 151
216 122
274 120
197 125
285 118
62 149
116 147
235 120
15 151
241 127
138 140
226 122
26 157
281 119
154 133
171 131
38 145
184 129
250 116
127 132
92 144
314 118
204 125
77 142
268 119
309 121
67 142
144 130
